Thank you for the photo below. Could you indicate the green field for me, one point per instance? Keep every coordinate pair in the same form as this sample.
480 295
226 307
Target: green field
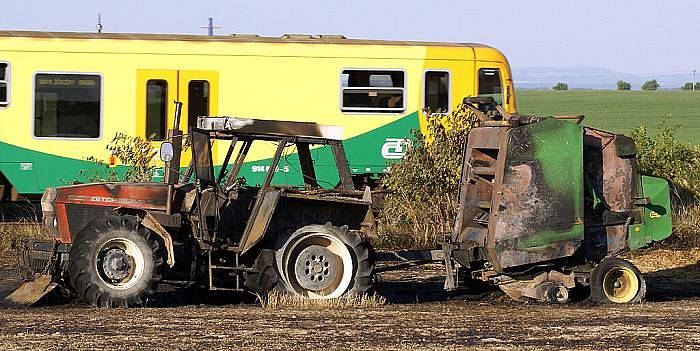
618 111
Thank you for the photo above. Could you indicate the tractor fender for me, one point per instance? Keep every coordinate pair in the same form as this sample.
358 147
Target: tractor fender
148 221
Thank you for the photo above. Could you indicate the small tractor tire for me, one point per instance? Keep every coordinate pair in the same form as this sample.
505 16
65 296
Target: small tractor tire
615 280
115 262
316 262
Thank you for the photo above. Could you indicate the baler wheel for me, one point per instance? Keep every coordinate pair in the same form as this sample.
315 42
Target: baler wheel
615 280
558 294
115 262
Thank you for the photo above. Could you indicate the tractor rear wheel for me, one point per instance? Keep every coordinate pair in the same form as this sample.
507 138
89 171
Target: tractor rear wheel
316 262
115 262
615 280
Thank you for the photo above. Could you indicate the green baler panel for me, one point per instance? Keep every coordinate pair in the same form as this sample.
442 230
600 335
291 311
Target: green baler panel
540 208
657 224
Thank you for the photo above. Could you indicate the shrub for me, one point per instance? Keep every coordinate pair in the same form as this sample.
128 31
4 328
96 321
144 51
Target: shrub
560 86
622 85
11 233
651 85
133 152
663 155
690 86
421 206
686 228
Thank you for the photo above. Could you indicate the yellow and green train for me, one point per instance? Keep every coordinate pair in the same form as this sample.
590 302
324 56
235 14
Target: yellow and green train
63 96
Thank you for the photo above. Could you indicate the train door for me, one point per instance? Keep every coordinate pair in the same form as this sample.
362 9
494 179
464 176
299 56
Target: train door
158 89
493 80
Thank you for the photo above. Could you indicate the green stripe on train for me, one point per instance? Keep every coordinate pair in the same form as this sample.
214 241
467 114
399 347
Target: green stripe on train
30 172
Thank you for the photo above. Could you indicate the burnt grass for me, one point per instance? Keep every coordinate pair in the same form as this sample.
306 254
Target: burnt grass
418 316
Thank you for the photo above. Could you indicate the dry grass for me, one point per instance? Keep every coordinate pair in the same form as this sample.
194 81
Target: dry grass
11 233
664 259
276 299
686 228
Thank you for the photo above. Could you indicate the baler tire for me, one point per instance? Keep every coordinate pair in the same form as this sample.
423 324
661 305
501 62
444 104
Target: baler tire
601 275
136 248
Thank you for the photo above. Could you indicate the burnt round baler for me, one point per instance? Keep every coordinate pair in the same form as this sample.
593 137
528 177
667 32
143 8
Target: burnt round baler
545 205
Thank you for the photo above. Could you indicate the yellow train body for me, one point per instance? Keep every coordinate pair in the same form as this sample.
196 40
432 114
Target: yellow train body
374 89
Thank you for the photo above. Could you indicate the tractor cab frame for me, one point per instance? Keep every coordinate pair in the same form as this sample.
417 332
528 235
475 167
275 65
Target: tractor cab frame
214 188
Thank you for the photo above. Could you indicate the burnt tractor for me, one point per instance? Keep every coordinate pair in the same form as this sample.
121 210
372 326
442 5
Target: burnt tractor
546 205
114 243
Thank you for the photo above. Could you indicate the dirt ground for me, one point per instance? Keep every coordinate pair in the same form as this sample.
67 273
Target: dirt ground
419 316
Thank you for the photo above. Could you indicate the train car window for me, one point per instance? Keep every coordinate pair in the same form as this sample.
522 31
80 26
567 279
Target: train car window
156 109
67 105
490 84
4 84
198 100
373 91
436 92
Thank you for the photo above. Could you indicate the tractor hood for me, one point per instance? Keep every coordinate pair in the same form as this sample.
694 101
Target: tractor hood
146 196
69 209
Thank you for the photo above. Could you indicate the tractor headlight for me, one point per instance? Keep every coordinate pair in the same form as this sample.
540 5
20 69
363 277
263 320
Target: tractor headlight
48 199
49 212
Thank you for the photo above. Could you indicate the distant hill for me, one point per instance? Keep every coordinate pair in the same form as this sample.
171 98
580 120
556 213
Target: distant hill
591 78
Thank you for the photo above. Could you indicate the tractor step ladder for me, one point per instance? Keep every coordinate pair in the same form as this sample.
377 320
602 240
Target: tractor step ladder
231 269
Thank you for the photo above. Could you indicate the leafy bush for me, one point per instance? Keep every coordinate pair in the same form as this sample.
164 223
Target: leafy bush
651 85
422 203
133 152
560 86
622 85
663 155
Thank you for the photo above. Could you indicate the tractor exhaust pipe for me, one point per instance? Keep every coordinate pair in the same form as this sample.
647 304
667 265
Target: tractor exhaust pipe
172 164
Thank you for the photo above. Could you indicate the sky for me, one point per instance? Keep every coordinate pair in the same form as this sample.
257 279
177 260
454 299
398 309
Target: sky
628 36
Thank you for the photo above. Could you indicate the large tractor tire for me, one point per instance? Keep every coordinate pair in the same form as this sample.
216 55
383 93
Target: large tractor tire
615 280
316 262
115 262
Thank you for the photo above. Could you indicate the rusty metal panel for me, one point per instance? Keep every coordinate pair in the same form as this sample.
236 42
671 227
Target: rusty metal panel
307 165
147 196
87 202
610 175
475 191
538 212
259 220
151 223
31 292
343 166
201 154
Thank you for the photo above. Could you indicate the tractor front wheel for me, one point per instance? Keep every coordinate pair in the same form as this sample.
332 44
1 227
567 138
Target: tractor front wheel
115 262
615 280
